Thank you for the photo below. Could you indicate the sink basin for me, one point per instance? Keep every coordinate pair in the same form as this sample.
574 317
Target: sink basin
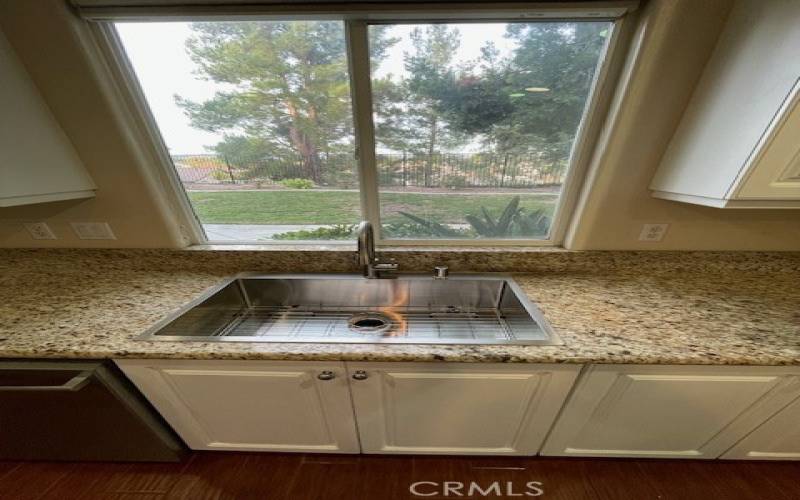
320 308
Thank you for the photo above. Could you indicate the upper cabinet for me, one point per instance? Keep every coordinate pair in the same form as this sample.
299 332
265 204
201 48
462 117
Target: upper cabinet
37 161
737 144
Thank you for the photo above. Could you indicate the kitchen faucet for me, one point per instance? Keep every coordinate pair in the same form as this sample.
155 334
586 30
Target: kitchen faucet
371 267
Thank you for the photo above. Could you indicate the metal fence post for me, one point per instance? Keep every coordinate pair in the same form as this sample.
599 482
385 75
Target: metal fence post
405 174
503 175
230 171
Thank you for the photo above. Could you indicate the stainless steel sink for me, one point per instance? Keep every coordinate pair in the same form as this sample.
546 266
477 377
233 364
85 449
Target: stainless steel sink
463 309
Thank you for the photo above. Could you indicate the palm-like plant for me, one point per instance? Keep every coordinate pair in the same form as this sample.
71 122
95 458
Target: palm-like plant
489 227
535 223
513 221
433 228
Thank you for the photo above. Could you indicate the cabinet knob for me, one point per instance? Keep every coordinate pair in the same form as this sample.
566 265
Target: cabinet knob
326 375
360 375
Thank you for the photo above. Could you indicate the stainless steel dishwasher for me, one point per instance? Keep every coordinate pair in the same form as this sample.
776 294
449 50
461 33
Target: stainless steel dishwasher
77 410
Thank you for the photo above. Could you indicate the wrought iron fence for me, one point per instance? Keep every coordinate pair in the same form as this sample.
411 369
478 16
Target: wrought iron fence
397 170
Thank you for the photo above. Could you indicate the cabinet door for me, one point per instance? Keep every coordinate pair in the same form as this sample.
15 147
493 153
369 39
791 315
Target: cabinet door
777 439
457 408
666 411
251 405
775 169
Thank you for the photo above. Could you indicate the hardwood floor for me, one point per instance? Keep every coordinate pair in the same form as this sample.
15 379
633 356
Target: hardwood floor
266 476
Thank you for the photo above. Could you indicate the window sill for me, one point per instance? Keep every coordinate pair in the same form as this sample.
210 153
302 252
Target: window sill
351 247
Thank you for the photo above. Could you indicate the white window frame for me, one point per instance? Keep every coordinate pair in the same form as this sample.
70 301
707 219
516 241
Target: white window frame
129 94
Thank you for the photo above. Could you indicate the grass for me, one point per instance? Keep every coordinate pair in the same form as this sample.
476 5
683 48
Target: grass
343 207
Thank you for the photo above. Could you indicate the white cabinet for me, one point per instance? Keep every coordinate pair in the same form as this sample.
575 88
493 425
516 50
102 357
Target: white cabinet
777 439
456 408
667 411
426 408
477 408
736 145
37 161
251 405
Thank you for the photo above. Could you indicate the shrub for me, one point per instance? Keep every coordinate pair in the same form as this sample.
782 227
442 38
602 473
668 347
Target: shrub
297 183
513 221
487 226
336 232
454 181
421 230
220 175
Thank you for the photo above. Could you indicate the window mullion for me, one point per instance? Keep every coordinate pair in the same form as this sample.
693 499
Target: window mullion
361 91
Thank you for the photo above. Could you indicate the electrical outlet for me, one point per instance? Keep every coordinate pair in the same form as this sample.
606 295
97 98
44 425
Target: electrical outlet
653 232
40 231
93 230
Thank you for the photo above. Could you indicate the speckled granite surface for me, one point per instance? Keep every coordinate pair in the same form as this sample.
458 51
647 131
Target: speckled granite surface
609 307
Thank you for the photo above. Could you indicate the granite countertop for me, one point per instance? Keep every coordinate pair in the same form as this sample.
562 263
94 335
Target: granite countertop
608 307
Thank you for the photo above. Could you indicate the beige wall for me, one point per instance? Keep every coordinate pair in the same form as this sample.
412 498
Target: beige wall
677 38
42 33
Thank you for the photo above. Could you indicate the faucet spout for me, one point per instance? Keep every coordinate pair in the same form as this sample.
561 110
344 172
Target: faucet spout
366 244
370 266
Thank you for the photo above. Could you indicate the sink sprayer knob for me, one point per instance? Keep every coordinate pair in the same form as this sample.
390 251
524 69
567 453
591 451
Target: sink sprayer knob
360 375
326 375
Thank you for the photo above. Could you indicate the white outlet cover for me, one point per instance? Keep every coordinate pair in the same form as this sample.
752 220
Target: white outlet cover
653 232
40 231
93 230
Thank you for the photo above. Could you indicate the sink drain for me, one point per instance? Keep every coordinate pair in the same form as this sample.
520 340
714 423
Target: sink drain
369 323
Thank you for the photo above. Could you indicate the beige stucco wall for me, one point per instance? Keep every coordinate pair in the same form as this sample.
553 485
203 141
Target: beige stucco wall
677 38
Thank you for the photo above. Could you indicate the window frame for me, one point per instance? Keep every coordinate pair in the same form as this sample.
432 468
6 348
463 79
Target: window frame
130 96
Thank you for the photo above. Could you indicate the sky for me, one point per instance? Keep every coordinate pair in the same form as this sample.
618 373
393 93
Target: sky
158 55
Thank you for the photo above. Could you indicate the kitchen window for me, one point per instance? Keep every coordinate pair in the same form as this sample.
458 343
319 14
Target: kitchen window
438 128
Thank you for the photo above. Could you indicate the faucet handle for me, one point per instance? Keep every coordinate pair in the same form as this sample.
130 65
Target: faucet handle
441 272
385 269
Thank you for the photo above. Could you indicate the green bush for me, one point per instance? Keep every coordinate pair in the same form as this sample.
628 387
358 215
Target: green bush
430 227
454 181
335 232
297 183
513 222
420 230
220 175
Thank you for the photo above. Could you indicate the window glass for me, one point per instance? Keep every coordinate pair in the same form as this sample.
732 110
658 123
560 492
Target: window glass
257 119
474 124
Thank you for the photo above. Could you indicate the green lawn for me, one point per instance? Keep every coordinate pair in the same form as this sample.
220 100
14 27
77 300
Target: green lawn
342 207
